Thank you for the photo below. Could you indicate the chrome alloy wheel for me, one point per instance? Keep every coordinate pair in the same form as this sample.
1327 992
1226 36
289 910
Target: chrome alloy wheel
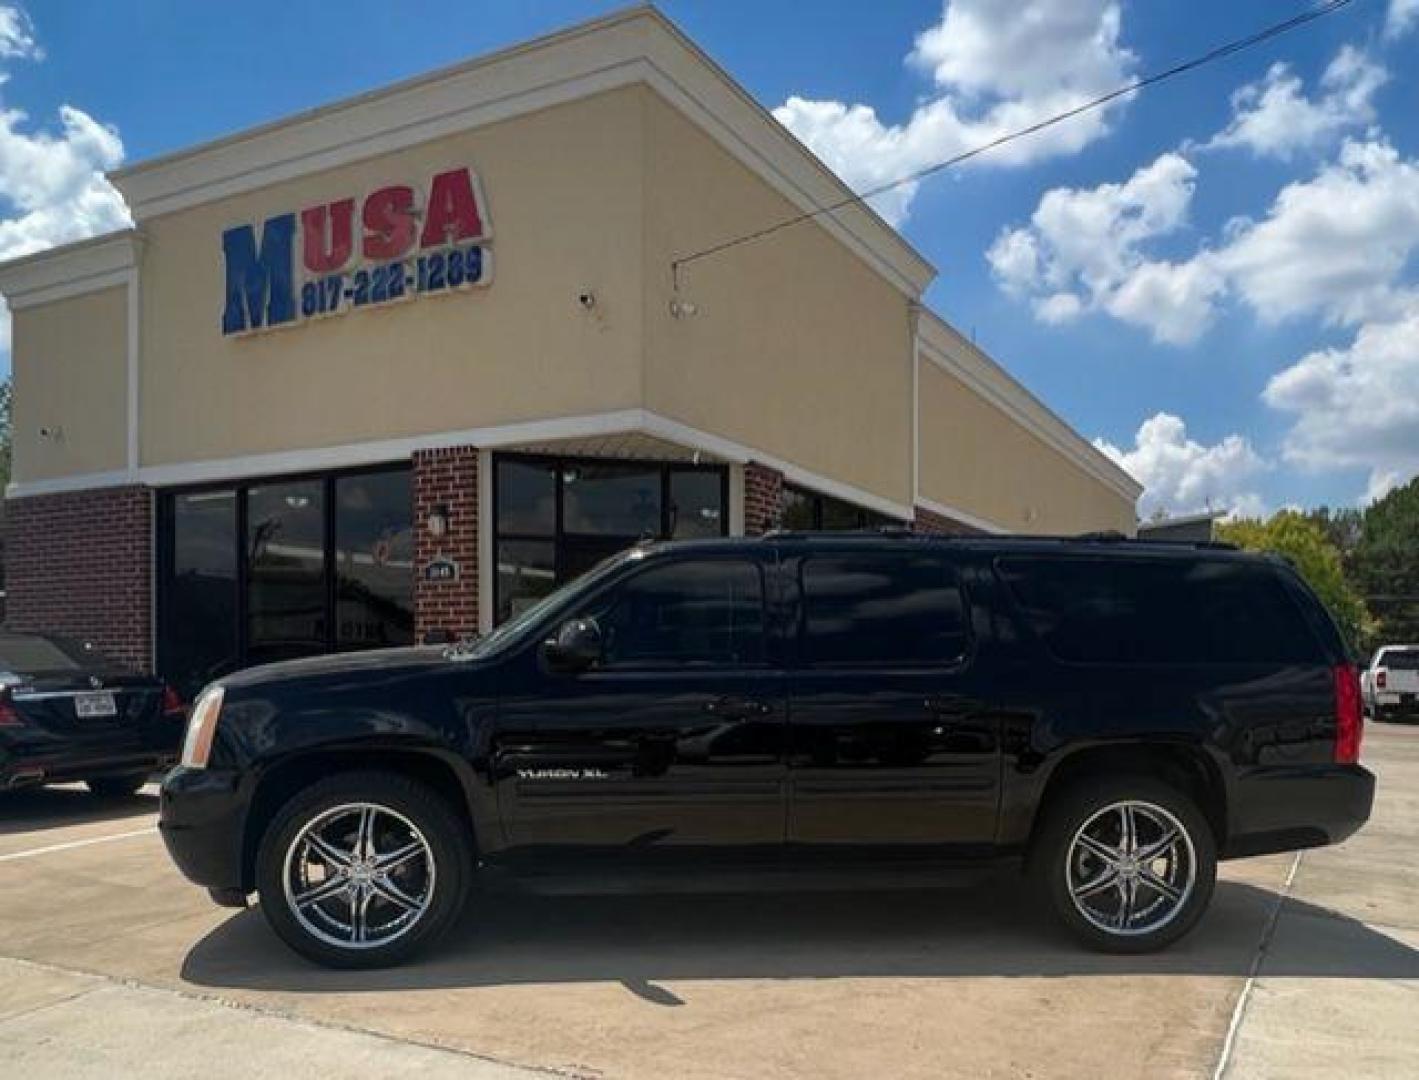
359 876
1131 868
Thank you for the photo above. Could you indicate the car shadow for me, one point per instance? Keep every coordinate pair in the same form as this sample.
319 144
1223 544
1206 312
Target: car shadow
39 808
642 941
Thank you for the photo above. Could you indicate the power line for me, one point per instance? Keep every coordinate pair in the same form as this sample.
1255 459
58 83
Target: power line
1231 48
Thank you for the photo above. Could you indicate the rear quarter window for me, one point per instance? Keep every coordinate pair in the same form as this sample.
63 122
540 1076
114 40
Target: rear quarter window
881 608
1159 611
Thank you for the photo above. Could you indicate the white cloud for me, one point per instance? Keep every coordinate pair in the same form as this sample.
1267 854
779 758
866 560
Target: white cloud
17 40
1357 406
1083 251
1403 16
1180 475
998 66
1334 245
52 186
1275 118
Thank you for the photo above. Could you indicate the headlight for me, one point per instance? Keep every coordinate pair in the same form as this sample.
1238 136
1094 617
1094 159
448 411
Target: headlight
197 746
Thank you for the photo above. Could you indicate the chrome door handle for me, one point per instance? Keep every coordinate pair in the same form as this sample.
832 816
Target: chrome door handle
731 707
952 705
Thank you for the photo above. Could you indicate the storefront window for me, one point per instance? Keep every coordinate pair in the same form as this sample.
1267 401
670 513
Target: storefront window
558 517
611 500
808 510
527 571
527 497
271 570
285 544
202 586
696 504
374 561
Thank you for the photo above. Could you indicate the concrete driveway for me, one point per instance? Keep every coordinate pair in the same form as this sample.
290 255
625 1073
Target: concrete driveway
110 964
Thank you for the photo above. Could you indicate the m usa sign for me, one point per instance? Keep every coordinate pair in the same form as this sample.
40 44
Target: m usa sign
396 244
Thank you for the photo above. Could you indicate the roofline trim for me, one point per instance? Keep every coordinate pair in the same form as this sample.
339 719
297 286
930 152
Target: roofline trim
634 46
494 437
85 266
968 363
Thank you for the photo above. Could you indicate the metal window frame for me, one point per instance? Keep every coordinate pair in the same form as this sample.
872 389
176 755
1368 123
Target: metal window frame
559 536
165 544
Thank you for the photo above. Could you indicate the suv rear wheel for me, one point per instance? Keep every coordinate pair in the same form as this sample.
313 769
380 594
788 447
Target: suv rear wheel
1128 864
363 868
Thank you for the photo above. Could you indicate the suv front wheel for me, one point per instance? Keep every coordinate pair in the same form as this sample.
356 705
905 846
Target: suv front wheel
1127 864
362 869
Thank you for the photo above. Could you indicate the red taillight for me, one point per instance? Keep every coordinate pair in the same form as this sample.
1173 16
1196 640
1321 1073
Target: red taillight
9 717
1381 677
1349 723
172 702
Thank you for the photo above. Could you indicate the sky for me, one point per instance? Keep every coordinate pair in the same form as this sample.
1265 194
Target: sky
1214 280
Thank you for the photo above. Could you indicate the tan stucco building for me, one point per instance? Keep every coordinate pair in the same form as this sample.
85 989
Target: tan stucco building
390 368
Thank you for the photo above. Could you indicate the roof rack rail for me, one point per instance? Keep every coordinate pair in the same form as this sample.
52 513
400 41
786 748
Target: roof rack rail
904 532
893 532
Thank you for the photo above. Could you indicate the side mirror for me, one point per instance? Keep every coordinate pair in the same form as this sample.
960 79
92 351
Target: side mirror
576 646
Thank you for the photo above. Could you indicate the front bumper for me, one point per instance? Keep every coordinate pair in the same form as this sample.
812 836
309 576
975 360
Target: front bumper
202 819
1287 808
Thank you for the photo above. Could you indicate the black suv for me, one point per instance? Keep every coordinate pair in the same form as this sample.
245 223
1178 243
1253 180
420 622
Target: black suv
1114 716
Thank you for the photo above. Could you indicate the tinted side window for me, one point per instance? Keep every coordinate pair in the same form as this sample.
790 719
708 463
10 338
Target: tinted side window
1159 611
881 608
707 612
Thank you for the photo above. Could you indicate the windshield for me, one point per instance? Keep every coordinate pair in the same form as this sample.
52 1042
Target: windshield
1400 659
517 628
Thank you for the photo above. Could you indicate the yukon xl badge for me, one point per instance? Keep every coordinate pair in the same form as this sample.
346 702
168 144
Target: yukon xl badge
562 774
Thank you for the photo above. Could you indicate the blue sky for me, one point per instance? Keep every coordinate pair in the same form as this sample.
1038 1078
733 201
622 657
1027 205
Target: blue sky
1216 278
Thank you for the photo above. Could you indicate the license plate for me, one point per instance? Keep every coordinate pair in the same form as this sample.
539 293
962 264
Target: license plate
89 706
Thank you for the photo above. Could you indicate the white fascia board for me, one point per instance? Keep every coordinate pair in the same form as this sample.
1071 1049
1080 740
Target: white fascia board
87 266
638 46
486 438
944 346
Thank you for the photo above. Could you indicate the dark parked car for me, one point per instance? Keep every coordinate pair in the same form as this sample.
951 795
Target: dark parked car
68 713
1112 716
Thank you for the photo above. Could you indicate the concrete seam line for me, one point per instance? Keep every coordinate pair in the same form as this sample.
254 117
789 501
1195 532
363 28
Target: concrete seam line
65 1000
287 1015
1229 1045
72 844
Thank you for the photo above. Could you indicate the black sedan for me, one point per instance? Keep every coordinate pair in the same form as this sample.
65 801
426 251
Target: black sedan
68 713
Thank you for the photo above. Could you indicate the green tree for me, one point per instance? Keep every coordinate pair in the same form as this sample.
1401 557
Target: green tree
1386 564
1302 540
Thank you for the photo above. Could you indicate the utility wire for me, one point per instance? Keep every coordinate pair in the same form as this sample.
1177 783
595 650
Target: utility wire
1231 48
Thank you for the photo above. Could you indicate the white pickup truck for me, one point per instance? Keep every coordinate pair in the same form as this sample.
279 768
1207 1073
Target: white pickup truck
1391 683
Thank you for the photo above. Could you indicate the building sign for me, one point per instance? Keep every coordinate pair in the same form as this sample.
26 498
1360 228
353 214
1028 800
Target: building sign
441 568
328 259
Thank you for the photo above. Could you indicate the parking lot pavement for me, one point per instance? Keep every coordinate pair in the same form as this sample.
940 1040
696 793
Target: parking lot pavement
1302 967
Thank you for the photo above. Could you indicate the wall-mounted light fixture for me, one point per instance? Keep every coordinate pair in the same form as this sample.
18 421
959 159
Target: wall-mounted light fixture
438 520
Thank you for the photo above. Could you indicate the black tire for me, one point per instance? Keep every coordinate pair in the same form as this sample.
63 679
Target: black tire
1055 857
116 787
449 847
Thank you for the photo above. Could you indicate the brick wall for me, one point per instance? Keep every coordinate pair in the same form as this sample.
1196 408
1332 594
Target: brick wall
80 564
940 525
763 499
448 478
